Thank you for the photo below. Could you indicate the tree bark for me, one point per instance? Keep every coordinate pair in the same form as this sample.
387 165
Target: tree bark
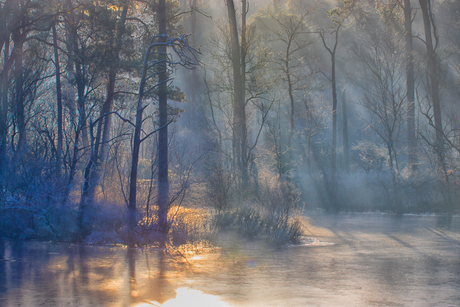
332 53
98 144
239 123
75 70
132 206
58 99
163 169
81 87
113 71
89 184
19 37
410 81
4 113
194 79
334 112
432 67
242 102
346 150
291 116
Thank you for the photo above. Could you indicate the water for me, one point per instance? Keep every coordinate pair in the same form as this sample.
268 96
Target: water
356 260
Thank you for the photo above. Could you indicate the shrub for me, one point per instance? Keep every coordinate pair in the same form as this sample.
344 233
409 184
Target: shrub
254 222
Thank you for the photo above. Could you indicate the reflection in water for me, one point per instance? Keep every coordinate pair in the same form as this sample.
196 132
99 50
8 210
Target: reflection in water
375 260
189 298
132 273
148 276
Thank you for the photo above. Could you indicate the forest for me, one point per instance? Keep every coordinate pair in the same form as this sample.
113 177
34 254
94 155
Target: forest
146 121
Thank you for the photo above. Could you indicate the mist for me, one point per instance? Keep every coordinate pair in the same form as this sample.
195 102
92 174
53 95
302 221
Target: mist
304 146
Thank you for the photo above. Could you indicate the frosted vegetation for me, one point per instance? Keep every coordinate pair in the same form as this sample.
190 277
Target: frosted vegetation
164 122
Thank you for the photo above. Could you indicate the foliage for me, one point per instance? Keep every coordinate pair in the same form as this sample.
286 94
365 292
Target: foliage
255 223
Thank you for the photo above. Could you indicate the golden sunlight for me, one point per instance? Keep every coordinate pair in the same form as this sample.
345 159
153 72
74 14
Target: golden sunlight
190 298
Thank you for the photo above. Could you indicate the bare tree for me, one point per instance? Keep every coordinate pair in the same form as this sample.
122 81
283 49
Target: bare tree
346 149
410 83
338 16
433 75
239 109
382 85
157 67
289 28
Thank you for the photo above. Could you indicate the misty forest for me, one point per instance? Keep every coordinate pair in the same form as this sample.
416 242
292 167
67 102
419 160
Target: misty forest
229 153
160 122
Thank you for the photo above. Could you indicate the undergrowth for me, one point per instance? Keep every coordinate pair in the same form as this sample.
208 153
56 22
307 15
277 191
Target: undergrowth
255 223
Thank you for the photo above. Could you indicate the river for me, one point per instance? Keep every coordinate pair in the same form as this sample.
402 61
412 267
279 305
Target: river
350 260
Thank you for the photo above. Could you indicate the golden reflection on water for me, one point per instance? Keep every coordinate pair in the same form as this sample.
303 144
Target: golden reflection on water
403 262
119 276
190 298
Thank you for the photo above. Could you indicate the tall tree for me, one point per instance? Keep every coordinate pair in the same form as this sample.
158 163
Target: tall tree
60 127
338 16
288 28
19 35
6 15
110 48
163 167
383 91
433 75
103 127
239 108
346 150
410 83
77 64
193 32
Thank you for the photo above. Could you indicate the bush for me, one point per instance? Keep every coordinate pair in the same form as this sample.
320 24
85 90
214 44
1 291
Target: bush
254 223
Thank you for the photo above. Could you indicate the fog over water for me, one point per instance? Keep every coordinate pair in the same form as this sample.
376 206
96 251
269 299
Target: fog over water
229 153
369 260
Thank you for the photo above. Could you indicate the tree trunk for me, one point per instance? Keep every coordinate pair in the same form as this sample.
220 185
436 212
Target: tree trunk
98 144
4 114
410 81
17 54
84 226
432 66
58 99
194 79
81 87
89 184
242 103
163 179
5 44
132 201
334 116
332 185
103 127
291 116
334 98
114 68
73 163
346 150
239 121
107 108
132 206
75 69
4 33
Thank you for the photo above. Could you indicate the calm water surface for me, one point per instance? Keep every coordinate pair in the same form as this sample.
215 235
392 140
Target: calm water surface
356 260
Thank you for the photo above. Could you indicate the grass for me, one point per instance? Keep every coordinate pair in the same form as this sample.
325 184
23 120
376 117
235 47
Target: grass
255 223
